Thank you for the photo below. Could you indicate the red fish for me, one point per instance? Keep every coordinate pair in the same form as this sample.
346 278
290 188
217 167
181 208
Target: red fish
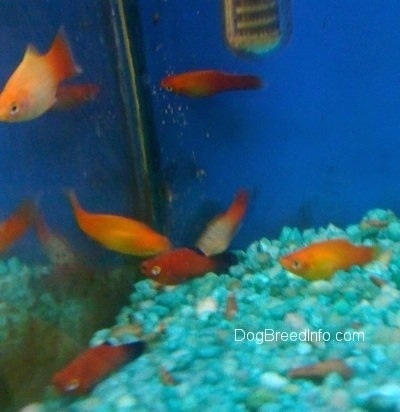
69 96
220 231
205 83
321 260
119 233
16 225
93 365
31 90
178 265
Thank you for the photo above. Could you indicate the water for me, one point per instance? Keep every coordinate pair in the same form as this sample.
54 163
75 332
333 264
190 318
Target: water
315 146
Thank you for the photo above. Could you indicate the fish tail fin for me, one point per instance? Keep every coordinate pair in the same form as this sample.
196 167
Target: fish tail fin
224 261
253 82
242 82
135 349
60 58
71 95
239 81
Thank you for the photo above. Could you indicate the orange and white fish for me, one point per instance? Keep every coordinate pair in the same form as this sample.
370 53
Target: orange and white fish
118 233
69 96
70 275
16 225
178 265
93 365
56 247
32 88
220 231
205 83
321 260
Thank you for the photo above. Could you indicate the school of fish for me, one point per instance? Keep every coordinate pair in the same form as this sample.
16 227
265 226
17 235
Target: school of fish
36 86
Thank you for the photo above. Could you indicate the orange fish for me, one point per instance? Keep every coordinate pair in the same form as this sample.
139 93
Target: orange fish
16 225
93 365
176 266
31 90
69 96
119 233
220 231
205 83
321 260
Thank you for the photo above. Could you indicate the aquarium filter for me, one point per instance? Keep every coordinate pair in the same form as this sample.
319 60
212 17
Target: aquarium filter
256 26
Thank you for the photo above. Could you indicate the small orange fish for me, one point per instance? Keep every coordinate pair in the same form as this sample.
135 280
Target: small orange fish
220 231
176 266
69 96
16 225
119 233
93 365
321 260
31 90
205 83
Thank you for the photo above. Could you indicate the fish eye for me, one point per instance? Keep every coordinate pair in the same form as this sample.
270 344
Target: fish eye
72 385
14 109
169 89
155 270
296 264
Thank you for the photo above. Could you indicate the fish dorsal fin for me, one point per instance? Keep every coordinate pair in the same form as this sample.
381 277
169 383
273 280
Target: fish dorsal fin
31 55
31 51
60 58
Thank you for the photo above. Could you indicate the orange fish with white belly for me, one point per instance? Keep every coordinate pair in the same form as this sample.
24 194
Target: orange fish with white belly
16 225
32 88
55 246
203 83
220 231
118 233
321 260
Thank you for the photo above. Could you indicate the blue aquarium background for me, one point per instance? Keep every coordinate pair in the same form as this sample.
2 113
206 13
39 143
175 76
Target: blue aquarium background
316 146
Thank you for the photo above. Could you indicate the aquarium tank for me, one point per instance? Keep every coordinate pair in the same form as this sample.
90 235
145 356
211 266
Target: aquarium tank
199 205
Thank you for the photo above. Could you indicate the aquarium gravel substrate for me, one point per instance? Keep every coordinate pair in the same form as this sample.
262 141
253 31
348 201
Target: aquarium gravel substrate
207 354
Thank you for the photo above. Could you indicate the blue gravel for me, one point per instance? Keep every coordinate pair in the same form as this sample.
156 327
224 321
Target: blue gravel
194 363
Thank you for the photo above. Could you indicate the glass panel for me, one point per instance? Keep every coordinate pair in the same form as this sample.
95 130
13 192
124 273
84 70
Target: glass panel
58 286
199 208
